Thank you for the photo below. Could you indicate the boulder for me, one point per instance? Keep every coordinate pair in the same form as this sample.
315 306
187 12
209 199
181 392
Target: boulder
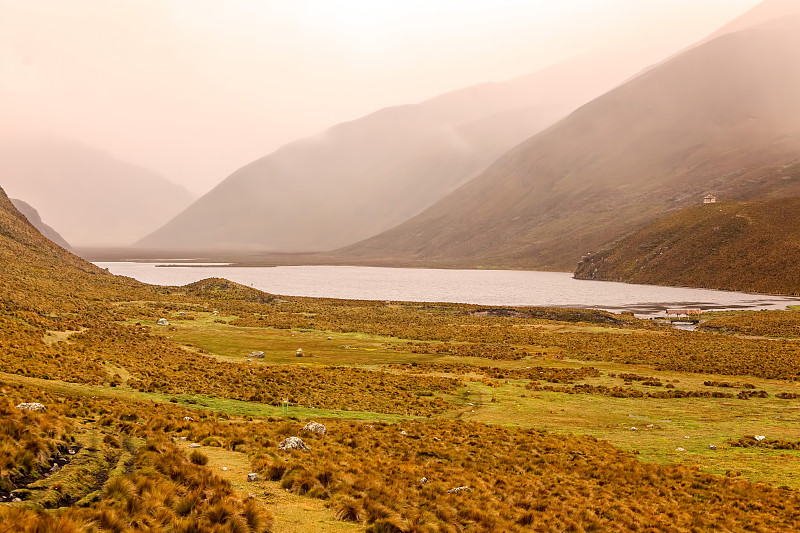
32 406
252 477
299 352
759 438
423 481
315 427
257 355
712 447
293 443
162 322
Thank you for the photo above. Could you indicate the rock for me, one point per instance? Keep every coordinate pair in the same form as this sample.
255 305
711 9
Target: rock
315 427
16 500
194 445
293 443
257 355
423 481
330 338
634 429
651 425
299 352
436 439
458 489
32 406
687 437
181 438
188 418
759 438
252 477
162 322
712 447
55 468
403 433
680 450
224 468
71 451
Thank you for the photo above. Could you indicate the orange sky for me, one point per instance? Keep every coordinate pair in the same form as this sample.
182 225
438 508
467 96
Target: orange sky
194 89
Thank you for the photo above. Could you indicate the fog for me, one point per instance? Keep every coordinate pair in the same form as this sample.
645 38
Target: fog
194 89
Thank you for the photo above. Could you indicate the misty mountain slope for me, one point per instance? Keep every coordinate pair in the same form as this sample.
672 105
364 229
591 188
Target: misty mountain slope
743 246
35 219
92 198
723 117
362 177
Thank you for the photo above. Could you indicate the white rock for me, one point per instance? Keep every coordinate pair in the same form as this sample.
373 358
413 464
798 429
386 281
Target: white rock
224 468
293 443
162 322
712 447
252 477
194 445
680 450
181 438
458 489
759 438
32 406
423 481
315 427
188 418
634 429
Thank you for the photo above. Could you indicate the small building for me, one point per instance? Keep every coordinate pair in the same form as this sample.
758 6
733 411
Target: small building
684 315
709 199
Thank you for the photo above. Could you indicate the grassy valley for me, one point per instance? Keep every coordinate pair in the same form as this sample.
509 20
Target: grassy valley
438 417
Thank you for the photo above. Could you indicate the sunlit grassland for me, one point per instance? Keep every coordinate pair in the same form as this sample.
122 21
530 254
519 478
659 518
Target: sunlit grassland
293 514
706 421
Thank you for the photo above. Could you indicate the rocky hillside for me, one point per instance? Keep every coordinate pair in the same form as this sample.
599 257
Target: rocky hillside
722 117
34 218
743 246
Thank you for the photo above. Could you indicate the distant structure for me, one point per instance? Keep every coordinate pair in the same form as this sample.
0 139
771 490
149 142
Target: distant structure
684 315
710 199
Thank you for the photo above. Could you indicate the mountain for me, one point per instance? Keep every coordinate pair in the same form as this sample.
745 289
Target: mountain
722 117
91 197
33 217
742 246
362 177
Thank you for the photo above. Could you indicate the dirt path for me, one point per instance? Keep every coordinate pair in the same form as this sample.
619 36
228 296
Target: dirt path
293 514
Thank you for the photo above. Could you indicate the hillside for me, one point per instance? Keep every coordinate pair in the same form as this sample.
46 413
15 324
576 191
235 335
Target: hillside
34 218
720 117
742 246
362 177
91 197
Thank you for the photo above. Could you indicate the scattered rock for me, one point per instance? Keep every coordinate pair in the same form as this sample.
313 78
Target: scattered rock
293 443
194 445
252 477
458 489
315 427
423 481
162 322
759 438
188 418
32 406
712 447
257 355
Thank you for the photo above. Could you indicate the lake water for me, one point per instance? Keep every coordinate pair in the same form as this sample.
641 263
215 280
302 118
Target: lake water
483 287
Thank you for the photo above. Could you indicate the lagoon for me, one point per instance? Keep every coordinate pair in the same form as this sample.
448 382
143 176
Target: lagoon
482 287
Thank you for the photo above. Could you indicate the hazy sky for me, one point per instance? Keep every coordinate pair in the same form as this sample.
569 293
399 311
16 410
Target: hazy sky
194 89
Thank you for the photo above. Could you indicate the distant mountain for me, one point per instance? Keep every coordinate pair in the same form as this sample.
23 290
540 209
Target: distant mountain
743 246
91 197
722 117
33 217
362 177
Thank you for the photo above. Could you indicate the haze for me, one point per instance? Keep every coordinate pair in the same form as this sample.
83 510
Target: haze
194 89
